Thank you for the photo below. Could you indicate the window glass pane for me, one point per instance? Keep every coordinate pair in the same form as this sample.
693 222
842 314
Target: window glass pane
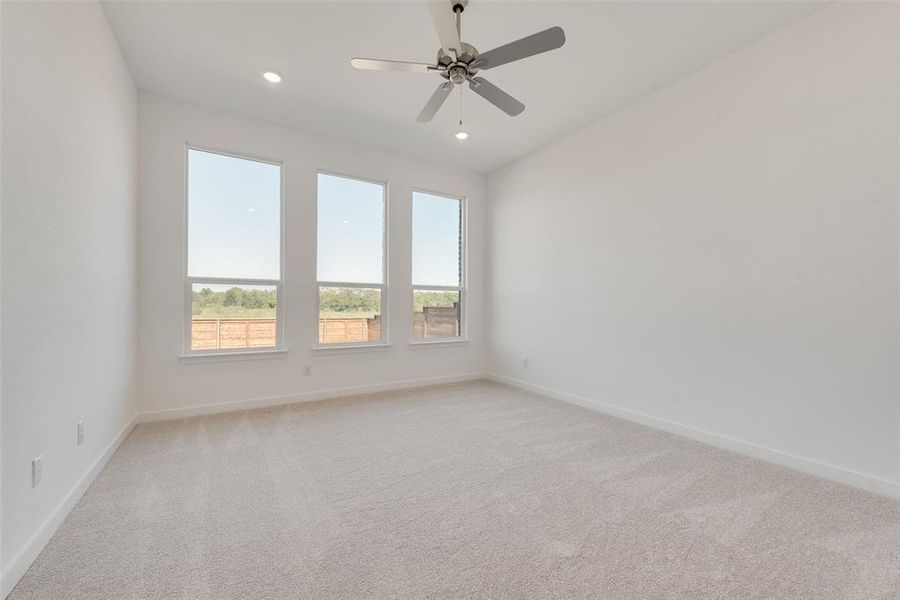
437 240
350 230
233 316
349 315
435 314
234 217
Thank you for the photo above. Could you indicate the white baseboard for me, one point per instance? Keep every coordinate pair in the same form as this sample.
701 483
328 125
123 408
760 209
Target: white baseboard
223 407
864 481
24 557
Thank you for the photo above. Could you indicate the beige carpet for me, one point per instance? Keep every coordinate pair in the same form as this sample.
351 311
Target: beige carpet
464 491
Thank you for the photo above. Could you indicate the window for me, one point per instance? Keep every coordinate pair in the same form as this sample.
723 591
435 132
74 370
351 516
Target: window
438 266
351 250
233 287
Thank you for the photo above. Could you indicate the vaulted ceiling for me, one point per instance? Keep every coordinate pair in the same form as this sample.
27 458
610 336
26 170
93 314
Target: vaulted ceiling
212 53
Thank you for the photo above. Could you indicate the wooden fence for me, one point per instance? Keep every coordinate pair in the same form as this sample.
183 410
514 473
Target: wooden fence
436 321
344 331
217 334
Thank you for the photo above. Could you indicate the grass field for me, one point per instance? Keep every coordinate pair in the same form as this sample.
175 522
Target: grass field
231 312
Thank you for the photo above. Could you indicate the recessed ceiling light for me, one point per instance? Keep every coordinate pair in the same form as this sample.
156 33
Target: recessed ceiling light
272 76
461 135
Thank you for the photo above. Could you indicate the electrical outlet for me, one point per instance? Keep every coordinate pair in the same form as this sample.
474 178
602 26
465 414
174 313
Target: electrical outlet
307 371
37 471
524 363
80 431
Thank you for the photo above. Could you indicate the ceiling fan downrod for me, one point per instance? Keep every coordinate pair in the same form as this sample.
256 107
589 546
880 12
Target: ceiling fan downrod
458 8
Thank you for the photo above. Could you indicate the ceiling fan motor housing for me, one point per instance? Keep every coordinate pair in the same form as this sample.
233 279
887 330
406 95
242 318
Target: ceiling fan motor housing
458 69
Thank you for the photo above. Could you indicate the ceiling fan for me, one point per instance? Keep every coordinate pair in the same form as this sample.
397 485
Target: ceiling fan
459 62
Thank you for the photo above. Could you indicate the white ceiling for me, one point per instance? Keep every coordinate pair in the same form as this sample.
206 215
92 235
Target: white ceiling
211 53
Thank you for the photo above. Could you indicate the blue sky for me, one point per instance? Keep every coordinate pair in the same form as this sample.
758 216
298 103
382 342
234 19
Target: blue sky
351 225
233 217
233 220
435 244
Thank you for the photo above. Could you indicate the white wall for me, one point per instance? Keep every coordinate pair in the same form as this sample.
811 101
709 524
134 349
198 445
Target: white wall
2 468
169 384
68 259
722 254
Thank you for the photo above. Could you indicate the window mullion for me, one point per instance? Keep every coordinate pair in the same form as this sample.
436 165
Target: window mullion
350 284
233 280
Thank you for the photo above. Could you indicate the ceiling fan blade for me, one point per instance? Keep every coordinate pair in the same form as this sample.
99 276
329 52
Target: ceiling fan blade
543 41
370 64
435 102
496 96
445 23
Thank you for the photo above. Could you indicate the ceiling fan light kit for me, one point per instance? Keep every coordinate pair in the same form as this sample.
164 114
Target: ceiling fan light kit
272 76
459 63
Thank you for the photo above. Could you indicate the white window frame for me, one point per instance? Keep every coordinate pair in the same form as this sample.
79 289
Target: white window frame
383 286
189 281
463 287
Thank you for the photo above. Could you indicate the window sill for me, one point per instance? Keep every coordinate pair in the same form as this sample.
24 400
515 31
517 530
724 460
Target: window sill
208 357
417 344
350 348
